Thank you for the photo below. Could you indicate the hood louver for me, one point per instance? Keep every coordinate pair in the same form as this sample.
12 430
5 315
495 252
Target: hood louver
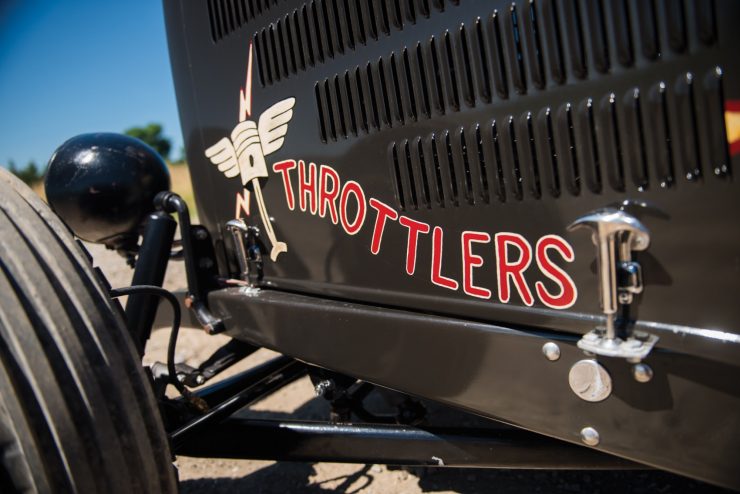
525 48
633 140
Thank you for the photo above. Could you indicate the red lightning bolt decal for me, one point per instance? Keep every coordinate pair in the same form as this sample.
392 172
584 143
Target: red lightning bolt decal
245 93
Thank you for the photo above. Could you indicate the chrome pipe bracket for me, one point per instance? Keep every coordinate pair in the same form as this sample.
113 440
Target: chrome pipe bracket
634 348
247 251
616 235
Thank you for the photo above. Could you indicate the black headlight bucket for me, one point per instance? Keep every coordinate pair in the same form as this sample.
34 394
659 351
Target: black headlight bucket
103 185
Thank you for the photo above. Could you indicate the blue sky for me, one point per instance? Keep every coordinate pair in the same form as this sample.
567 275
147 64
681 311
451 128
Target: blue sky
73 66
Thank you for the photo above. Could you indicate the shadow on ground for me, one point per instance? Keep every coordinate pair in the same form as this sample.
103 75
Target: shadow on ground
296 477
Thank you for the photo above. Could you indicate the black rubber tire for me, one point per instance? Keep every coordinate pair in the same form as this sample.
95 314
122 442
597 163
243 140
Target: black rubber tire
77 413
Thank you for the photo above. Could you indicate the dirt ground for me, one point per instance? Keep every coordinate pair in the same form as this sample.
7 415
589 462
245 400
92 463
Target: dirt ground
199 475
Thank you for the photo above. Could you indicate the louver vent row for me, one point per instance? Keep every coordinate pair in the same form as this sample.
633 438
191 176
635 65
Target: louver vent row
226 16
638 139
522 49
320 29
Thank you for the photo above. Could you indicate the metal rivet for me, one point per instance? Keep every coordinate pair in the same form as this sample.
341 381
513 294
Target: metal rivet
590 380
590 436
551 351
642 373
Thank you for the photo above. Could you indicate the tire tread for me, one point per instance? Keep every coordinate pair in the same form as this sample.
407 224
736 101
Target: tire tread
77 362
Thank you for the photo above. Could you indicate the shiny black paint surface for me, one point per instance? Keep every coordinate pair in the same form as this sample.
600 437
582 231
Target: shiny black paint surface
485 356
692 269
685 420
102 185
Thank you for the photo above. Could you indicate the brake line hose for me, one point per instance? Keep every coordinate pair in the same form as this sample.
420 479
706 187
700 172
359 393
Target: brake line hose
194 400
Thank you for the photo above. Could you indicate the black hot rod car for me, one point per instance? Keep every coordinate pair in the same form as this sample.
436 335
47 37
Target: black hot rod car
524 210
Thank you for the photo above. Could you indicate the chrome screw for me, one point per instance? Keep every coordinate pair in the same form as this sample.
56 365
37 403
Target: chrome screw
590 436
324 387
642 373
551 351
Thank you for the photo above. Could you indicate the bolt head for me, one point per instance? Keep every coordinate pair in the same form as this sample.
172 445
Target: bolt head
633 343
590 436
642 373
199 379
551 351
591 336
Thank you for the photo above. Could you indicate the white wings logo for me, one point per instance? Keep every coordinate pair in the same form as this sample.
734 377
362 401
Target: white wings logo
243 153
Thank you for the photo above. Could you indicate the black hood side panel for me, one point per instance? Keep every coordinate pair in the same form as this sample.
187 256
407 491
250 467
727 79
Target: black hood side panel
483 117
